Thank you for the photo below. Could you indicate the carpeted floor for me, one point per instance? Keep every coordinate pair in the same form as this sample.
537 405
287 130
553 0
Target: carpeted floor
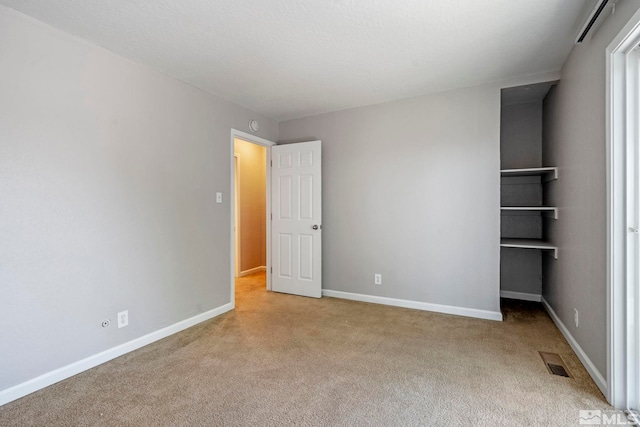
286 360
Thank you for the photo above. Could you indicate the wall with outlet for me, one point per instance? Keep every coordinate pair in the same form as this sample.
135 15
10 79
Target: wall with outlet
574 139
412 192
108 175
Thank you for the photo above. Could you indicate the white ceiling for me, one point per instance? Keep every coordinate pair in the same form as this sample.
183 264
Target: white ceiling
294 58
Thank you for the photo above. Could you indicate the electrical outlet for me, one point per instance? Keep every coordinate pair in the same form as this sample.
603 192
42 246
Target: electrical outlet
218 197
123 319
576 316
377 279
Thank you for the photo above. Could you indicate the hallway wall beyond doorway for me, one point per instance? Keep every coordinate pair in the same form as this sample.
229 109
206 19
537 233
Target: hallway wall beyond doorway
251 203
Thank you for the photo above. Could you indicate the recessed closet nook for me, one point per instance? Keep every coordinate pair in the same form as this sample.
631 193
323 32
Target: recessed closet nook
528 217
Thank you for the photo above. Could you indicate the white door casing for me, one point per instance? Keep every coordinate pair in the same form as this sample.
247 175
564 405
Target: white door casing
236 208
623 218
296 226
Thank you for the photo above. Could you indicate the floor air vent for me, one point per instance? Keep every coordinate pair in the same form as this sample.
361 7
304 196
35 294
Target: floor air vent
555 365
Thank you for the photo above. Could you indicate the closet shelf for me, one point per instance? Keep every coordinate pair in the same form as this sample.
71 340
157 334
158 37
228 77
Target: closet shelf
547 174
529 244
551 211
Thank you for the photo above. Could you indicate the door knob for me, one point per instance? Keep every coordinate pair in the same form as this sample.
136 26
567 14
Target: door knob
315 227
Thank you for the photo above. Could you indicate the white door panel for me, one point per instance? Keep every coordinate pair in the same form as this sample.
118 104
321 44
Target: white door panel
297 218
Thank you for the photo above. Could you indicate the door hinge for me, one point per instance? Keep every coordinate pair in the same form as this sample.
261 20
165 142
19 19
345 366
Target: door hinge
271 217
271 163
272 269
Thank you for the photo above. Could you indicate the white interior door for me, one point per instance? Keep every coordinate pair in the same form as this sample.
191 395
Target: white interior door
296 225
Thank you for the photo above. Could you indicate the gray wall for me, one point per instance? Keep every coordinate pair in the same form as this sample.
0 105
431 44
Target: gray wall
521 135
575 141
108 174
521 270
411 190
521 147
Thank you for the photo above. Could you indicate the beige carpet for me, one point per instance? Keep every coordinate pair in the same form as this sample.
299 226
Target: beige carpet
286 360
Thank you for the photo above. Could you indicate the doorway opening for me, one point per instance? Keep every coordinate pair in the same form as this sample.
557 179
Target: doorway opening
250 205
293 210
250 175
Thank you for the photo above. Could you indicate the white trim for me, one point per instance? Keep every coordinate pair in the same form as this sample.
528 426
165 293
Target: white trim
265 143
236 206
75 368
418 305
547 173
253 270
588 364
521 296
530 79
622 339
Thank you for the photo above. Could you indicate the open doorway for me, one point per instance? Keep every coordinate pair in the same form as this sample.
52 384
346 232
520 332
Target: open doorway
250 177
293 182
250 204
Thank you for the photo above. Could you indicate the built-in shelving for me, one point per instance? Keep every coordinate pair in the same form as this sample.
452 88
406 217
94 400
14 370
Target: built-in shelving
529 244
547 174
552 211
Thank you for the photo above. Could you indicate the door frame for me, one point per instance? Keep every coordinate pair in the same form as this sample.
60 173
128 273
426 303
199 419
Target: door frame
268 144
623 330
236 209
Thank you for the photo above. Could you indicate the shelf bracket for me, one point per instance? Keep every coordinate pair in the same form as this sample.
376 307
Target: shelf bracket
551 175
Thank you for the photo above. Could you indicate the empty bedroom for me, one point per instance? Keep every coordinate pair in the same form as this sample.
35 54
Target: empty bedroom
319 213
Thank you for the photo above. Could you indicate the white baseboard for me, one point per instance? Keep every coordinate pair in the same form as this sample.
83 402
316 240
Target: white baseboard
588 364
521 296
438 308
65 372
252 270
